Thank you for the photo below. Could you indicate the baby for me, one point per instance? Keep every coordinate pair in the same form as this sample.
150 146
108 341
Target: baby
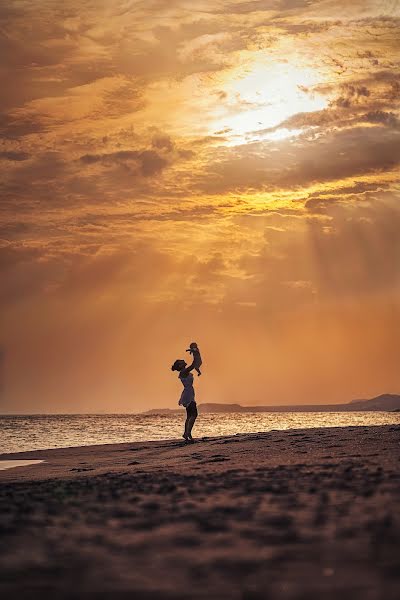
195 352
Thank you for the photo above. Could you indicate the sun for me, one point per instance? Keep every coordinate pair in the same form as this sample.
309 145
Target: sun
264 96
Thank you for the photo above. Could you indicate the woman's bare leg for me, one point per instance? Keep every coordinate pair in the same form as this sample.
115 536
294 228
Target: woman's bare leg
186 432
190 422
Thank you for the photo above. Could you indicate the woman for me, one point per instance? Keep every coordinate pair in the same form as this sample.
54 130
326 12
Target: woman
187 397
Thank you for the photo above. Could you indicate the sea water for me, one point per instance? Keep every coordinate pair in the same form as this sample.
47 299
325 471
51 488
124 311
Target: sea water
36 432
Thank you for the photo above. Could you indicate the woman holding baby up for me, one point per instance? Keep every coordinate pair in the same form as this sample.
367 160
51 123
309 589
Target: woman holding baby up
187 398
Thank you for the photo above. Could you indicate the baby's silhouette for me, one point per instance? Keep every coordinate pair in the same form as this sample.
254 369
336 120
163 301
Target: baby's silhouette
195 352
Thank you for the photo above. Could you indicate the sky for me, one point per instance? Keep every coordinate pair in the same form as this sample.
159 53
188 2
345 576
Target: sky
217 171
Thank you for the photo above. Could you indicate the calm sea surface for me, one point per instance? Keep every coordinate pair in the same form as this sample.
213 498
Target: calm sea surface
35 432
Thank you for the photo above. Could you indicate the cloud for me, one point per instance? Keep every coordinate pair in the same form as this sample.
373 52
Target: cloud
148 162
14 128
14 156
352 94
304 161
321 202
381 117
357 254
24 274
163 142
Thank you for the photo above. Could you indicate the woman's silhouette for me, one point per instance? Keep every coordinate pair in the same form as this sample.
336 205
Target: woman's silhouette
187 397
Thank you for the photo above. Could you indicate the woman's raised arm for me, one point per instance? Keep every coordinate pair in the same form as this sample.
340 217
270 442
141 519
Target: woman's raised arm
185 372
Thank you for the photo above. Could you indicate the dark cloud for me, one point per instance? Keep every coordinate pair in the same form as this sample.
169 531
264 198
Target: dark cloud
345 154
335 118
13 128
307 159
252 6
162 142
148 162
321 206
151 162
14 156
308 28
25 50
295 4
347 193
352 94
381 117
320 118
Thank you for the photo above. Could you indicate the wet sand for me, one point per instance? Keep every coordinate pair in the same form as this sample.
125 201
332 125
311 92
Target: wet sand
298 514
12 464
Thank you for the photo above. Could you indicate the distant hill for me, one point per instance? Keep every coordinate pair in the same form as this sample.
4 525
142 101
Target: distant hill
384 402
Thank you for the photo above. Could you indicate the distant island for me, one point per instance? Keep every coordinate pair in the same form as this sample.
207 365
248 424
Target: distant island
385 402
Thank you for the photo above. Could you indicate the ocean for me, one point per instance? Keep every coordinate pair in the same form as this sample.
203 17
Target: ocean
38 432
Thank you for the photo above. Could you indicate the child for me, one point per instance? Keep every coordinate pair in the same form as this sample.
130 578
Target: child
195 352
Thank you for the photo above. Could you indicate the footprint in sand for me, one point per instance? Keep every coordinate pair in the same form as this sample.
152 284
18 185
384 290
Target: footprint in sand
216 459
80 469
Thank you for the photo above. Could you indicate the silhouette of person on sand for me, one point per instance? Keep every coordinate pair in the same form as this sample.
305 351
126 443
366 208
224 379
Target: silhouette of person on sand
187 397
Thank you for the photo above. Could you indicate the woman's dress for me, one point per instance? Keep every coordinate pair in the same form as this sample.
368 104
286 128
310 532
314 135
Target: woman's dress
187 395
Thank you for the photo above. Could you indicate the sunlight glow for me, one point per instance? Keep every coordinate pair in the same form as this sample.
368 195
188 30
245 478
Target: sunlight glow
264 97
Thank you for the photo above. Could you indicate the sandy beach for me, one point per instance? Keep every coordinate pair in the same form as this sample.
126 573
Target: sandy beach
296 514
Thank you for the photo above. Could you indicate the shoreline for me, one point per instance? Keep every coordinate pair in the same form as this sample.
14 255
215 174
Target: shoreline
55 462
286 515
48 453
56 434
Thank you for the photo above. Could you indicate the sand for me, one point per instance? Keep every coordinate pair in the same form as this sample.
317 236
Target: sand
300 514
11 464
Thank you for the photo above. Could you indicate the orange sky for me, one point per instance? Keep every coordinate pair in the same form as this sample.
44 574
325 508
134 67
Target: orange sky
222 171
